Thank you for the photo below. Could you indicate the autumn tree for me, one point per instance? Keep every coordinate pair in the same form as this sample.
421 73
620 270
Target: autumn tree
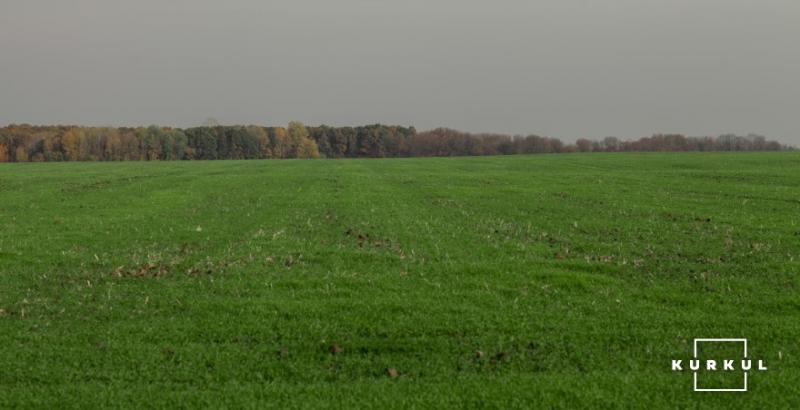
307 149
261 138
112 145
21 155
321 136
281 146
298 133
71 143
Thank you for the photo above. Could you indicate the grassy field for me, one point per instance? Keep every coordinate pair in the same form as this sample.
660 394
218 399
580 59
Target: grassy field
526 281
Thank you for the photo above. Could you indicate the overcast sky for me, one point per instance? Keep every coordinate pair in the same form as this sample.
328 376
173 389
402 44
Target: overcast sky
563 68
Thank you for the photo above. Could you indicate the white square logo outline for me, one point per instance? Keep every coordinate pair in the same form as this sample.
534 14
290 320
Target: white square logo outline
722 340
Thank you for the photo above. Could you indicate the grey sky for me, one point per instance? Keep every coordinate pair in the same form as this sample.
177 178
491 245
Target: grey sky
564 68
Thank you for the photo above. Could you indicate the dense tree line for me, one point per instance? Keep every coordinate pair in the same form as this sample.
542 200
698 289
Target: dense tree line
23 143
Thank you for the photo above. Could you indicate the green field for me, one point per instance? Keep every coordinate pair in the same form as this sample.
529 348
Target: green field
226 284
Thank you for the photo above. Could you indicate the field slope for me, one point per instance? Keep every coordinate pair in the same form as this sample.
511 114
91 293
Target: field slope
525 281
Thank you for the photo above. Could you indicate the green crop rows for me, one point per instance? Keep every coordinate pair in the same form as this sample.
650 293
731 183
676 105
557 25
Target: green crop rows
522 281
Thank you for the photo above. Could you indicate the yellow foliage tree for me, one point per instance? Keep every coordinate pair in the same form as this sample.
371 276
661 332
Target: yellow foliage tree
71 142
21 155
307 149
282 146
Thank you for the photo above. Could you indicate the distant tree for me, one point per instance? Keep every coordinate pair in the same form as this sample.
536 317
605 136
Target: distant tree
203 142
611 144
51 147
175 144
348 135
151 141
281 145
71 143
244 143
261 138
112 145
322 137
3 153
298 133
234 141
338 143
583 145
21 154
370 141
131 148
93 145
223 143
307 149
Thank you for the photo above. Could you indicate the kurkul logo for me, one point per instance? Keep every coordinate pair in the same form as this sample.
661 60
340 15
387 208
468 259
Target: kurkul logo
729 366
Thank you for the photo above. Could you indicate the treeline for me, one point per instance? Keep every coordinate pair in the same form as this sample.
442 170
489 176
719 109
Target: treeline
447 142
24 143
677 142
